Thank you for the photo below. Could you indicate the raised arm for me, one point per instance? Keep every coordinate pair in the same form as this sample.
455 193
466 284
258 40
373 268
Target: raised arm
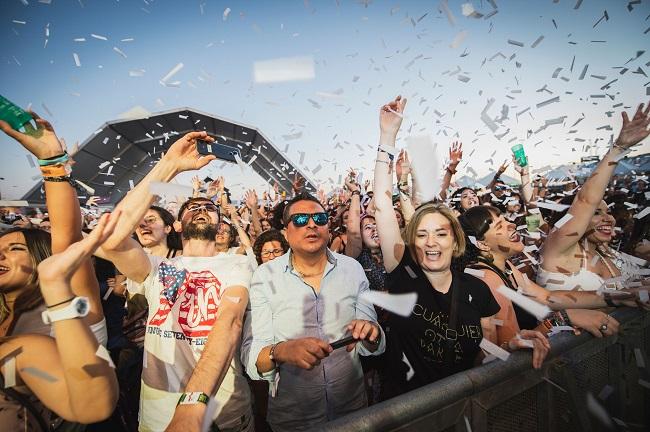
455 156
355 242
392 245
84 388
215 358
403 169
497 175
526 186
252 203
61 201
563 240
127 255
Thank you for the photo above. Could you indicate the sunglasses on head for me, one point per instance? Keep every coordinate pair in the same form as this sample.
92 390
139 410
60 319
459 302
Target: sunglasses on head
302 219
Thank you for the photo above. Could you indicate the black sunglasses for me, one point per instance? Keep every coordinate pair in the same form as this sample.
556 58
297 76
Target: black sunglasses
302 219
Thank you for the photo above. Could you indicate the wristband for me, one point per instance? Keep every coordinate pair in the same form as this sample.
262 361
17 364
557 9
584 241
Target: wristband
193 398
60 159
59 179
56 170
272 352
356 192
452 171
390 151
379 160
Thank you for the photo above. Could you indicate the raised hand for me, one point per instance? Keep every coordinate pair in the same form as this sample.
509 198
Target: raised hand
250 198
403 165
183 154
635 130
503 167
92 201
197 183
521 170
351 182
322 197
61 266
42 142
391 115
455 153
298 183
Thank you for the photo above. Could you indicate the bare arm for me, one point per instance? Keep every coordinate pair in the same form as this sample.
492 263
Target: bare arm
564 239
455 156
216 358
355 243
85 386
392 245
497 175
127 255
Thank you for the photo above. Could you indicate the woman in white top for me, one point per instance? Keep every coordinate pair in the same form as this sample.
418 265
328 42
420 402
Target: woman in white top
575 254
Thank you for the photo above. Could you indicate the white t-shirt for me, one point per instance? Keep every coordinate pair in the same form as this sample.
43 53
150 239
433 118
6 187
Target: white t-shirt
184 294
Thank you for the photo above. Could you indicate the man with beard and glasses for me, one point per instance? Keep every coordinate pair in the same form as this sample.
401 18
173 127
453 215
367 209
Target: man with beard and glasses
300 303
196 307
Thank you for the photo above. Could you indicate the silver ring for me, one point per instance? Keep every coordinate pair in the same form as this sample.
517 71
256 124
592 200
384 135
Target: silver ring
603 328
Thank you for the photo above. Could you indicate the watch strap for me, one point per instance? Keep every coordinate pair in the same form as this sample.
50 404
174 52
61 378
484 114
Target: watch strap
192 398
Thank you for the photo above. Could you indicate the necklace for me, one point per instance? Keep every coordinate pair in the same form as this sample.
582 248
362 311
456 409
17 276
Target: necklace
305 275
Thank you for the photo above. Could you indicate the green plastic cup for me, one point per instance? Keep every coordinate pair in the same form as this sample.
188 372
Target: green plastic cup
13 114
520 155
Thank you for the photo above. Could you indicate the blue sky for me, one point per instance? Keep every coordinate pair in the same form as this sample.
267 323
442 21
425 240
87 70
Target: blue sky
367 53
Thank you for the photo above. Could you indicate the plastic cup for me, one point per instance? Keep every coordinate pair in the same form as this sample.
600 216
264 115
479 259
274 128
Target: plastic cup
520 155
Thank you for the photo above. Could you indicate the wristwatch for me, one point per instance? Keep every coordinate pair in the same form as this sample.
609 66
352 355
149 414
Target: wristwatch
193 398
78 308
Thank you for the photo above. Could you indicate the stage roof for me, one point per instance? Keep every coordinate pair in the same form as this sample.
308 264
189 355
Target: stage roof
121 152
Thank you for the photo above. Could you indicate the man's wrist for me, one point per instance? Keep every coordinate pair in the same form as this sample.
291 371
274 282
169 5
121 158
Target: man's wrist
165 170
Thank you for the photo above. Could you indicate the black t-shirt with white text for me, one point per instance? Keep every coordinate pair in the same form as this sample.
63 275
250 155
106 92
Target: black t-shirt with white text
422 337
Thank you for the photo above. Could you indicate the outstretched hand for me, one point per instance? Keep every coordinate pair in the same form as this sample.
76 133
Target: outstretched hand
183 154
61 266
391 115
455 153
42 142
635 130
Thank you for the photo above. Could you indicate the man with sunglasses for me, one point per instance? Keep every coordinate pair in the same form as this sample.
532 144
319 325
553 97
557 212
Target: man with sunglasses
301 302
196 306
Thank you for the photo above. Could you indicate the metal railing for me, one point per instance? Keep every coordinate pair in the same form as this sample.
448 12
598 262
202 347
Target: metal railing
511 396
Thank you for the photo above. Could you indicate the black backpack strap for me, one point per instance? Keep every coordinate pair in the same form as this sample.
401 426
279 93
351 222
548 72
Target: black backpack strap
24 401
452 324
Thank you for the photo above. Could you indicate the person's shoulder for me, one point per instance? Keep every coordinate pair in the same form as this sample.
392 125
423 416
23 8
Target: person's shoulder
470 282
346 261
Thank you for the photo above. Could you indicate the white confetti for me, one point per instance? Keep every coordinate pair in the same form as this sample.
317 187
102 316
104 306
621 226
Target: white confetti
76 59
400 304
96 36
539 310
170 74
494 349
226 12
283 69
10 372
103 353
474 272
425 166
564 219
170 189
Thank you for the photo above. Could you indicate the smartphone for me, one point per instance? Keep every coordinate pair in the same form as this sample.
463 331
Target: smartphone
221 151
343 342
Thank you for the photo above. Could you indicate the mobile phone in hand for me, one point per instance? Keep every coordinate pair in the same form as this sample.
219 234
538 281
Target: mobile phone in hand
343 342
221 151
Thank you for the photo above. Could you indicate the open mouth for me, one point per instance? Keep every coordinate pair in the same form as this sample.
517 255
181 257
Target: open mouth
201 219
433 255
145 232
605 229
515 237
3 270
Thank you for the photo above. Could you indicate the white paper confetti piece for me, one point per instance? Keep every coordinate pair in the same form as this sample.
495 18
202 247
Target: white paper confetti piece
284 69
552 206
233 299
539 310
564 219
598 411
77 62
474 272
226 12
170 189
10 372
108 293
103 353
39 374
410 372
468 427
496 321
559 329
425 166
643 213
644 383
494 349
400 304
119 51
171 73
638 356
410 272
606 392
96 36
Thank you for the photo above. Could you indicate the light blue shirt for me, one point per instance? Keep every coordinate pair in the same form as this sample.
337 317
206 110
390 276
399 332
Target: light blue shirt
282 307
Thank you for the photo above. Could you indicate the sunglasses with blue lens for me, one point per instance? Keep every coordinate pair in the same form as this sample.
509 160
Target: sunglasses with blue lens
302 219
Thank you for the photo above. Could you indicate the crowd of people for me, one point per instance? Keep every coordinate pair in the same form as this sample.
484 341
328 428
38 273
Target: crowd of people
209 313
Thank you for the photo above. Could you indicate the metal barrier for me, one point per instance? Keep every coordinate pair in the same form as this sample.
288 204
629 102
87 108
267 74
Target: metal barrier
511 396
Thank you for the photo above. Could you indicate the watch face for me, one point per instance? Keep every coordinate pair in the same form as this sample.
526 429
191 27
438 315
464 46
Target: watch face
81 307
